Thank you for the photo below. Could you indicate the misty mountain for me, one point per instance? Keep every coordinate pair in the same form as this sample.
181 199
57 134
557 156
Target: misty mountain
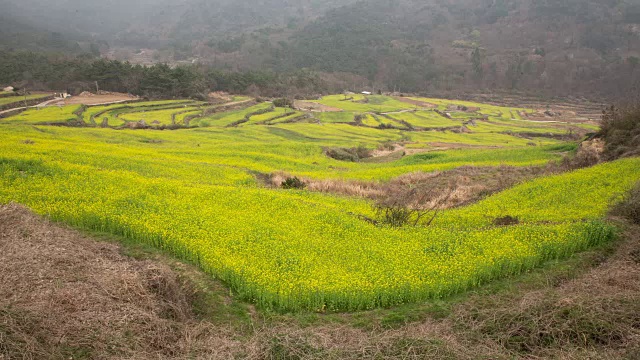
558 46
144 22
19 35
97 18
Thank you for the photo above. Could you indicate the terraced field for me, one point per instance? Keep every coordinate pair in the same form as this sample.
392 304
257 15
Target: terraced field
17 101
163 116
197 193
50 114
120 114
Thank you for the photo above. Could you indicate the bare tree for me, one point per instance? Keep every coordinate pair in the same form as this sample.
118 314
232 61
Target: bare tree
416 206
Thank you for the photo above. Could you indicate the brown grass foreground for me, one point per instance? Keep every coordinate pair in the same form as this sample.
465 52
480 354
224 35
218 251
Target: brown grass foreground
64 295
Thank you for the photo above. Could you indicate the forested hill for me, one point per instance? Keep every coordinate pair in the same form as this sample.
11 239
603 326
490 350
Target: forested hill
556 47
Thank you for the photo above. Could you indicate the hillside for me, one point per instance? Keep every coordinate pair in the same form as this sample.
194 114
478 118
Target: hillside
421 227
558 46
584 47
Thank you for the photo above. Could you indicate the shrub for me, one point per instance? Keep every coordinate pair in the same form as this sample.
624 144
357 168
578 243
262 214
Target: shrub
397 215
283 102
293 183
464 44
583 158
348 154
200 97
388 145
629 208
362 152
341 154
506 221
621 131
417 206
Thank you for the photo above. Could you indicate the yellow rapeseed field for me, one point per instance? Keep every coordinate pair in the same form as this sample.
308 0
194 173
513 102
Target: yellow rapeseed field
194 193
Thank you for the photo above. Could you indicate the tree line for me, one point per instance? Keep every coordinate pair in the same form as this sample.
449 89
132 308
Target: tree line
39 71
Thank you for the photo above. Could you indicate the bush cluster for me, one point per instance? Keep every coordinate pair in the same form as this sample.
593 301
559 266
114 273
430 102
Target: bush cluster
293 183
629 208
349 154
283 102
621 131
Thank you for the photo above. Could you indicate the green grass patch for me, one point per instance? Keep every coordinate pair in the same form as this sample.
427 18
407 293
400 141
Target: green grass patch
17 99
49 114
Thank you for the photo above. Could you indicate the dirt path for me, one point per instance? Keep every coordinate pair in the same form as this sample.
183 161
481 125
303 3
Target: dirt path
63 103
99 99
237 102
401 111
423 104
313 107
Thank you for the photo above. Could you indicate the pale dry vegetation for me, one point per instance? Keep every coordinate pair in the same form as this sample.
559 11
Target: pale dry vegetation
459 186
621 131
629 208
444 189
65 296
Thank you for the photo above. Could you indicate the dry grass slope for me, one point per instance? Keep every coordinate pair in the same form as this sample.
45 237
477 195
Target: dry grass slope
65 296
451 188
